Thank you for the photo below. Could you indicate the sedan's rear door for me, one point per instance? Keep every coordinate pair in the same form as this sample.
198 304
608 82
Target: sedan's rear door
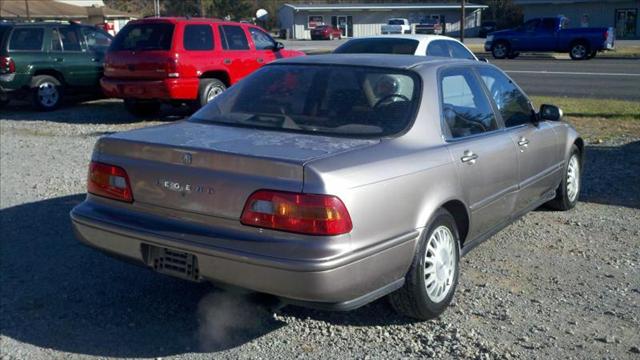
484 155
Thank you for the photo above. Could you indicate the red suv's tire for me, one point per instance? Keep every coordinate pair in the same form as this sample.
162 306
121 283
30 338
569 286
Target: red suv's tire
208 90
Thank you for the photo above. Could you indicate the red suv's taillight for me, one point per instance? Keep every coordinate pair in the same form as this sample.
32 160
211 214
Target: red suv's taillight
109 181
7 65
294 212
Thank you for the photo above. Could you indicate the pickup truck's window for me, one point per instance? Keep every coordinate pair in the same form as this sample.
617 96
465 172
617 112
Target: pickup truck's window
513 105
547 25
26 39
70 39
315 99
378 46
234 38
531 25
465 108
396 22
141 37
198 37
261 39
438 48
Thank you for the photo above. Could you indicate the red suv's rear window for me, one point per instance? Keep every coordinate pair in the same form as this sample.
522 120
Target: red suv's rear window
141 37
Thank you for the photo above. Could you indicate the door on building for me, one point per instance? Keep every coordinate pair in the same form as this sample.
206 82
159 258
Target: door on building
344 23
626 20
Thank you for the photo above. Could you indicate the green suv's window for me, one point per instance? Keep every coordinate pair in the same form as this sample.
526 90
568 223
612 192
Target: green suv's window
26 39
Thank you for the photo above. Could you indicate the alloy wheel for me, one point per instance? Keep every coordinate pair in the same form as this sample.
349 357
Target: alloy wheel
439 264
573 178
48 94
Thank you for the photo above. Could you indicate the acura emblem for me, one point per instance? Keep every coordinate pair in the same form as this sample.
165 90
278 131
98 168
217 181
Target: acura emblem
186 159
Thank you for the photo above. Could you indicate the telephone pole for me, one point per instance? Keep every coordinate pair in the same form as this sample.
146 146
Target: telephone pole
462 20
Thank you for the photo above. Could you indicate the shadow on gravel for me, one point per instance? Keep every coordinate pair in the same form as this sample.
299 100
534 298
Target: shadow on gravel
612 175
59 294
105 111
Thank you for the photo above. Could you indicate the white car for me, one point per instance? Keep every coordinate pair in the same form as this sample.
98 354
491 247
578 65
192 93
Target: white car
396 26
432 45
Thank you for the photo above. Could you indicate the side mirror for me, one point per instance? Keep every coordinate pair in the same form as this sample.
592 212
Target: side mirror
550 112
279 46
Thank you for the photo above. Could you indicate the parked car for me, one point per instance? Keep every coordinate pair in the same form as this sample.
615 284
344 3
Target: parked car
396 26
43 62
486 28
183 60
330 181
428 26
325 32
550 34
431 45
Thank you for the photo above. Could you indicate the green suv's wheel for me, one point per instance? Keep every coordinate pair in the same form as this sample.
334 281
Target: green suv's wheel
46 92
142 108
433 275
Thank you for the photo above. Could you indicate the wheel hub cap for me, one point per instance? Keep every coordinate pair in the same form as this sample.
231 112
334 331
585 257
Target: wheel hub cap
214 92
47 94
439 264
573 178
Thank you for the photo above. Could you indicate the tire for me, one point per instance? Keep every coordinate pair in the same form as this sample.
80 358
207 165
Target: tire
4 100
330 36
512 55
568 191
46 92
208 90
579 50
416 299
142 108
500 50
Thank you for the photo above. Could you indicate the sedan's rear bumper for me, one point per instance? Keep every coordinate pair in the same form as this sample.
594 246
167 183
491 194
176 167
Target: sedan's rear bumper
339 284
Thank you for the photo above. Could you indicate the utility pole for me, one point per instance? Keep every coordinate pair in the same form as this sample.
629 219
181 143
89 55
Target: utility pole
202 9
26 5
462 20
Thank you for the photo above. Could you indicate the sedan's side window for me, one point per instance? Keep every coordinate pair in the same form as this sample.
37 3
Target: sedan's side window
438 48
513 105
458 51
465 108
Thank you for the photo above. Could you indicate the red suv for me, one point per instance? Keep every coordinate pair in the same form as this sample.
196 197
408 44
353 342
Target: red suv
182 60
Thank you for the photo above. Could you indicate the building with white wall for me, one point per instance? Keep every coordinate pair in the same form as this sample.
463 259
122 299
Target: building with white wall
357 20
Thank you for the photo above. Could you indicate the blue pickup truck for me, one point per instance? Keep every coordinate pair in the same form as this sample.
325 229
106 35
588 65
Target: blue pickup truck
549 34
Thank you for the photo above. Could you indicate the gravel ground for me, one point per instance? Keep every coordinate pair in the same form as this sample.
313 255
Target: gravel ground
552 285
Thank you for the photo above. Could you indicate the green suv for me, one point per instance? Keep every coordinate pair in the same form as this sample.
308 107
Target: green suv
46 61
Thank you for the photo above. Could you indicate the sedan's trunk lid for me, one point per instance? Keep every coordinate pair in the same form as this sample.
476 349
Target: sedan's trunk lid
211 169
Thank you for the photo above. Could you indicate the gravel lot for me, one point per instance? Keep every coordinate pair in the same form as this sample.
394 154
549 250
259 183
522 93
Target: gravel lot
552 285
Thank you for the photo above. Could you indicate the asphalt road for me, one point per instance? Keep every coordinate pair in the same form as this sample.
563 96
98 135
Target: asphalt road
596 78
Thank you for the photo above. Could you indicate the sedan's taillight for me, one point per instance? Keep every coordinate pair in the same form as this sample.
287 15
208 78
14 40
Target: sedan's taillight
7 65
109 181
294 212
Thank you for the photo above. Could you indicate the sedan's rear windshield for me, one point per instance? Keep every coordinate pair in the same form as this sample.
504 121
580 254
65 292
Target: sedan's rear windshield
141 37
318 99
379 46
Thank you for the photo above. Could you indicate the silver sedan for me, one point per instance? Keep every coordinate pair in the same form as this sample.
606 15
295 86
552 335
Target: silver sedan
331 181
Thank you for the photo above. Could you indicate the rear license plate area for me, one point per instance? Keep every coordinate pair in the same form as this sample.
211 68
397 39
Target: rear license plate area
172 262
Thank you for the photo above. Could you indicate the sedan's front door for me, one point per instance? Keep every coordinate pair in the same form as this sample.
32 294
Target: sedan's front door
539 161
484 155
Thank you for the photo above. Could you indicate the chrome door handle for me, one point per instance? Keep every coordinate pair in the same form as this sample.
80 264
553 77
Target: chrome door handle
226 61
469 157
260 60
523 142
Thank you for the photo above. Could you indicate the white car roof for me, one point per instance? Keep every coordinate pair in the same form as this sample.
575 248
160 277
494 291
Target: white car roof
423 40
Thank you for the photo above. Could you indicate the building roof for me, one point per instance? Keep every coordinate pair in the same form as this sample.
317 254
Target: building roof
109 13
50 9
43 9
381 6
